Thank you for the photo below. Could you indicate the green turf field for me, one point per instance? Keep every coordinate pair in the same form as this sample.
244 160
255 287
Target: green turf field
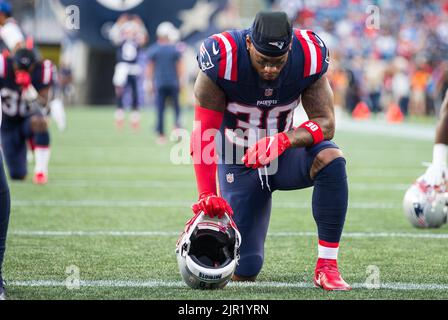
115 205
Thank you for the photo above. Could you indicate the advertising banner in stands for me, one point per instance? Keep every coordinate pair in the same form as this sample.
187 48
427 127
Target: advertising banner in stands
196 19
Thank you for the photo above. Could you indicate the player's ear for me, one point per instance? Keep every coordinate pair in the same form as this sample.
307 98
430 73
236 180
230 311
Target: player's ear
248 42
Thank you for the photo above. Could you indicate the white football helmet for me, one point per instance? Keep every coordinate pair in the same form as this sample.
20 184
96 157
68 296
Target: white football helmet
425 206
208 251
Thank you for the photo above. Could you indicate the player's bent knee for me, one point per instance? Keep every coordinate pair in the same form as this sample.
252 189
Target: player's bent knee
249 267
4 189
39 124
237 278
323 159
17 177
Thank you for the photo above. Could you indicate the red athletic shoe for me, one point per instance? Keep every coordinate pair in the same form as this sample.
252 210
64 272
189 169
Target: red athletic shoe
327 276
40 178
135 125
119 124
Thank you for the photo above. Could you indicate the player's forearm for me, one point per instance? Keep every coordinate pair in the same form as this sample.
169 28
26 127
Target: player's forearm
317 101
442 132
442 127
440 149
209 114
203 150
300 137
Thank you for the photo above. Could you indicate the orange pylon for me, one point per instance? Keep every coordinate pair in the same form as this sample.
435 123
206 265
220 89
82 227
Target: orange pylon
394 114
361 111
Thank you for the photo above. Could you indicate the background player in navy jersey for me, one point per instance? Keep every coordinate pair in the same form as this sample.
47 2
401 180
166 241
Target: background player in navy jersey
25 85
250 83
4 216
165 72
130 35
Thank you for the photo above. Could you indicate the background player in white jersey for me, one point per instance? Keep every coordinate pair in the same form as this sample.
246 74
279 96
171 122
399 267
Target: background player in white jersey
130 35
10 32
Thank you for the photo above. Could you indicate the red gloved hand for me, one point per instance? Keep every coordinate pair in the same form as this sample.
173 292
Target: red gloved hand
23 79
266 150
212 205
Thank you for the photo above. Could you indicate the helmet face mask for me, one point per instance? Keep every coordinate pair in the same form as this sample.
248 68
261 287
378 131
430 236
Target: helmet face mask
208 251
426 207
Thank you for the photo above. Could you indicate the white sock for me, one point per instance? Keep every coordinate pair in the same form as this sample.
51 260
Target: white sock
135 117
328 250
42 158
119 115
439 154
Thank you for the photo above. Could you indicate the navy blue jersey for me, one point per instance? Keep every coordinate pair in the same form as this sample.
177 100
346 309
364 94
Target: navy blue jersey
164 58
128 52
14 109
256 107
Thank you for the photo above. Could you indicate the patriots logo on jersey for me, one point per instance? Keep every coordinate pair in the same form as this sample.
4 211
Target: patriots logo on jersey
204 59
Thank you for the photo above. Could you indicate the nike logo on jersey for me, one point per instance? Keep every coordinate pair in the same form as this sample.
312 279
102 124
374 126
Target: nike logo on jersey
278 44
215 51
319 40
327 58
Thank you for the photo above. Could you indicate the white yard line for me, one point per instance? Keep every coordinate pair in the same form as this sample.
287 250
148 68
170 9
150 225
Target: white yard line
42 233
174 204
406 131
179 284
157 184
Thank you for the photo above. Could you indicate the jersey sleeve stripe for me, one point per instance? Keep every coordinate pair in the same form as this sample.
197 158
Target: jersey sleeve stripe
312 52
223 59
318 46
234 73
306 53
2 66
46 72
227 56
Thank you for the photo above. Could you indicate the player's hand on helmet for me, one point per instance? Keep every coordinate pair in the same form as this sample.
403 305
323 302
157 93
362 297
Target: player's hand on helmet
23 78
266 150
212 205
435 175
30 94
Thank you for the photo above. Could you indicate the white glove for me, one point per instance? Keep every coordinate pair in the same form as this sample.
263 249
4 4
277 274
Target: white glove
58 113
30 94
435 175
